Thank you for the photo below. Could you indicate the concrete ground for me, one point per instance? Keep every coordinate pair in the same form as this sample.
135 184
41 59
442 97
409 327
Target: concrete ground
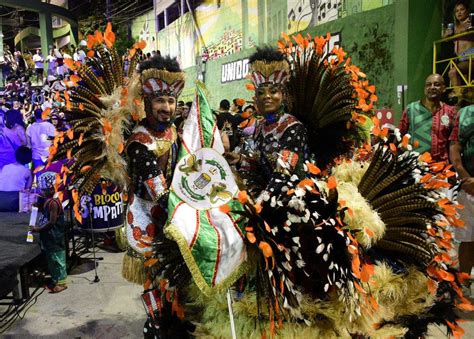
110 308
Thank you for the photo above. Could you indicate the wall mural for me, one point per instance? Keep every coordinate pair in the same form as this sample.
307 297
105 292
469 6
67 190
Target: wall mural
221 28
145 31
229 43
143 28
303 14
220 32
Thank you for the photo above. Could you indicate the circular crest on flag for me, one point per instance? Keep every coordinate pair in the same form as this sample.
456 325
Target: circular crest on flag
204 180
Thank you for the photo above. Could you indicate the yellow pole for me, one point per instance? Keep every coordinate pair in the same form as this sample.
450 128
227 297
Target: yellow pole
470 70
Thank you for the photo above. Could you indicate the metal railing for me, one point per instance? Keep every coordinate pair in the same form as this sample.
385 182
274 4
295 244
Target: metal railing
467 80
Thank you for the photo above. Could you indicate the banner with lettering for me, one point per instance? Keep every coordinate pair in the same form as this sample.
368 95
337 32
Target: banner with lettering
102 211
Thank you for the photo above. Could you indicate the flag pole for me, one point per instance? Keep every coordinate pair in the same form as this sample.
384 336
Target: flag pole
231 314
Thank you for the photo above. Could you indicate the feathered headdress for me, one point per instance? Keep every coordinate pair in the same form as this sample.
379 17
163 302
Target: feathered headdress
161 76
268 67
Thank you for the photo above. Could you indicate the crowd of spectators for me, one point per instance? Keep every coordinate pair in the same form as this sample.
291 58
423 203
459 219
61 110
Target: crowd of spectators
40 69
25 135
30 82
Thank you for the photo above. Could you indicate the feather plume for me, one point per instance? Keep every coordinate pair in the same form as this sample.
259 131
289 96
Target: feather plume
98 118
326 93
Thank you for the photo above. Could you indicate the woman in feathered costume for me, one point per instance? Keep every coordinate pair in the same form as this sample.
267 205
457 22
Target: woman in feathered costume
281 138
353 242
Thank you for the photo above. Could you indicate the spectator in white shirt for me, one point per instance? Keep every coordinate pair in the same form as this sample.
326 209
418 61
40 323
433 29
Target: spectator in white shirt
59 62
39 136
51 59
39 66
79 55
16 176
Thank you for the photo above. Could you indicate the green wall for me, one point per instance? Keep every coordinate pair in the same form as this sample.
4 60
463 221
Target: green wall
390 40
218 90
368 38
417 25
421 35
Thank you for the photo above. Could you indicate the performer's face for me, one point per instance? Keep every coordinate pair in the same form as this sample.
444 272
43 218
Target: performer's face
268 98
163 108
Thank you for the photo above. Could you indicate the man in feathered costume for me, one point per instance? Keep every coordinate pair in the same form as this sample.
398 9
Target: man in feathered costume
151 152
100 106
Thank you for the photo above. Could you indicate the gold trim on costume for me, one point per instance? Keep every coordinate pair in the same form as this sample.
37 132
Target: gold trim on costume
166 76
173 233
268 68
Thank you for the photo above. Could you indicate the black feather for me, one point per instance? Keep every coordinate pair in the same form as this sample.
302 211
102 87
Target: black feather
160 62
266 53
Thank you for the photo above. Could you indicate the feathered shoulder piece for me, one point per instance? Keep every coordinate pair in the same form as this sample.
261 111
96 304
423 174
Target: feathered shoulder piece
328 94
97 110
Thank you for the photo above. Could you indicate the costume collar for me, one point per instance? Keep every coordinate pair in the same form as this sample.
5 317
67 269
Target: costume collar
271 118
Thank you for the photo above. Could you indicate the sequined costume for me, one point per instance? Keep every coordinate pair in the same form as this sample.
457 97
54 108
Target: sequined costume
151 159
151 156
279 139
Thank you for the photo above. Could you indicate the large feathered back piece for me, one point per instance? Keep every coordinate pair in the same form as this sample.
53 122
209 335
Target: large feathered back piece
98 110
329 95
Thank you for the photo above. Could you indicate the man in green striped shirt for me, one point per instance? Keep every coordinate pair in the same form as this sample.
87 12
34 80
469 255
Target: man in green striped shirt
429 121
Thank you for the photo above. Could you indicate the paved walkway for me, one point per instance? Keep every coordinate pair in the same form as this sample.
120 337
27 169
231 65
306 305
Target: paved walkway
108 309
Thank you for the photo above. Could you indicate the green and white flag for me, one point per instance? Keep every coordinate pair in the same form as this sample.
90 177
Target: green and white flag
210 240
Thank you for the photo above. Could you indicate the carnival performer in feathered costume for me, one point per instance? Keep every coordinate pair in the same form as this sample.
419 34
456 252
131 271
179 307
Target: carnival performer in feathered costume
356 244
281 139
101 104
151 152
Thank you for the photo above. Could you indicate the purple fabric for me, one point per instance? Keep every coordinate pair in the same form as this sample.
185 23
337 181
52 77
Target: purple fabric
7 146
14 117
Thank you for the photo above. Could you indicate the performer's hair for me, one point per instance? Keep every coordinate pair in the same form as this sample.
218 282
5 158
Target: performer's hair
266 53
160 62
463 3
